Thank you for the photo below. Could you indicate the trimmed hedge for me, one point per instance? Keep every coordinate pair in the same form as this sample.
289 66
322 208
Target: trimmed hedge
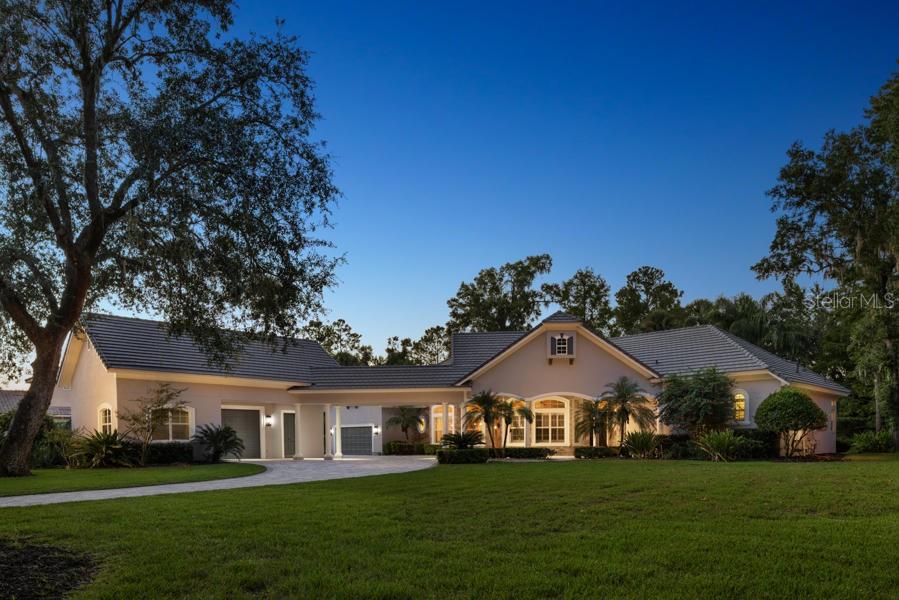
595 452
451 456
398 447
758 444
168 453
525 453
404 448
679 446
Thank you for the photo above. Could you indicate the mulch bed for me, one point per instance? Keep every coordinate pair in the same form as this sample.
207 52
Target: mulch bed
30 571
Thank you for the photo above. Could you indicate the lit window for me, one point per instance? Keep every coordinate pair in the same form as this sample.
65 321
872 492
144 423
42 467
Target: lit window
105 420
550 421
739 406
175 426
516 430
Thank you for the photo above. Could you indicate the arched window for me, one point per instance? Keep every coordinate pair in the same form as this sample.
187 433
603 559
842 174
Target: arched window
740 406
550 422
105 419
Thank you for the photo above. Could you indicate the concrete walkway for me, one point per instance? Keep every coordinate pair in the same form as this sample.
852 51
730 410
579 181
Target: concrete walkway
277 472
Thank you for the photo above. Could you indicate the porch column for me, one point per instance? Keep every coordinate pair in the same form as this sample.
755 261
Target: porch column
297 452
446 417
338 447
328 454
527 427
460 413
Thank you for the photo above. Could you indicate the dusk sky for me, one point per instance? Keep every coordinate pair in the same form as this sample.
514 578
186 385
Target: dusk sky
465 135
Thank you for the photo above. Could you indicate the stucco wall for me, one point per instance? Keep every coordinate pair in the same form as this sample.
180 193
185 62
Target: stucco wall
527 372
91 386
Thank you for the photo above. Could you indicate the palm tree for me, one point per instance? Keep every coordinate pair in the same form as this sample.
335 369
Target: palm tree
408 418
508 410
592 420
484 407
624 402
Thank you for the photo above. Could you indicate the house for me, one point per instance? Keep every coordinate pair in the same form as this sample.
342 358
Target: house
299 402
9 401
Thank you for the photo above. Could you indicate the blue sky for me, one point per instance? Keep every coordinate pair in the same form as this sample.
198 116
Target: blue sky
468 134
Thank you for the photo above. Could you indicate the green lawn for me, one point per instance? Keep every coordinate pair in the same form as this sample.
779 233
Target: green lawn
44 481
606 528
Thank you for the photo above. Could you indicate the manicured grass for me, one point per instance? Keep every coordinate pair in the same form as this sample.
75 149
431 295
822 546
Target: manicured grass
608 528
43 481
875 457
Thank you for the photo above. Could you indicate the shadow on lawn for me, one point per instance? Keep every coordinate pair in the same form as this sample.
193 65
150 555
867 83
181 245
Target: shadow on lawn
41 571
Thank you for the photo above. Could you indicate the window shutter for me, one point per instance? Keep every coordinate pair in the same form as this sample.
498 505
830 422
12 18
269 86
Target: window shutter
552 346
571 346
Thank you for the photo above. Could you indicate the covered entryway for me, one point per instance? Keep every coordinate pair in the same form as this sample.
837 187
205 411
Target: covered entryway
357 440
247 423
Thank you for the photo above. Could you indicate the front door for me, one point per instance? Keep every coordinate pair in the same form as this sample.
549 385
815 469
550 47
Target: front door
289 434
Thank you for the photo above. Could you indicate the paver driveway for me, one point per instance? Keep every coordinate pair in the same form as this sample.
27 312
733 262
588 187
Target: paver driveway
277 472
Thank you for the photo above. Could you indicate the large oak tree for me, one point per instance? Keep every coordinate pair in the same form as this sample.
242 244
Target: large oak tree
152 161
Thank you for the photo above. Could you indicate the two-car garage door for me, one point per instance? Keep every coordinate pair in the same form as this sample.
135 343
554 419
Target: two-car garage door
247 424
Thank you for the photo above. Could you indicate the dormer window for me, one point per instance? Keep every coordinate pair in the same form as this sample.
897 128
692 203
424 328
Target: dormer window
560 345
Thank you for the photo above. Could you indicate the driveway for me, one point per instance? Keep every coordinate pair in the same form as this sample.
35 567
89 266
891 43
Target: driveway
277 472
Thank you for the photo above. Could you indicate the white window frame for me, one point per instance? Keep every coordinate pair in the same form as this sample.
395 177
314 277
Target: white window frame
100 424
564 411
191 427
745 420
437 435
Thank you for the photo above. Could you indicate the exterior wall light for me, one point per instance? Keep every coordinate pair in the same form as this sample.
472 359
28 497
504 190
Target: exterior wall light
269 420
376 430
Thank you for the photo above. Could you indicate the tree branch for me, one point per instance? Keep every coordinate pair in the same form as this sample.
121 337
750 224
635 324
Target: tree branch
13 305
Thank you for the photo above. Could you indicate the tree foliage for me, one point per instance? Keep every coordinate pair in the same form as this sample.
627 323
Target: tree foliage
149 414
624 402
792 415
150 162
340 341
697 403
646 297
838 216
500 298
585 295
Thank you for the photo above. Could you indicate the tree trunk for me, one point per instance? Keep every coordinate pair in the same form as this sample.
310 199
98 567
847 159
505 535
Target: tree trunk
15 451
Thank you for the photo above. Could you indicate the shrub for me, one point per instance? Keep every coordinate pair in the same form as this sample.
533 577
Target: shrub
792 415
595 452
100 449
699 402
59 447
678 446
454 456
870 441
169 453
521 453
398 447
218 441
641 444
430 449
758 444
463 440
43 453
721 446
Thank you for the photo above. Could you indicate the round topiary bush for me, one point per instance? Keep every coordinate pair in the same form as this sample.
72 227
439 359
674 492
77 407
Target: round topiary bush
792 415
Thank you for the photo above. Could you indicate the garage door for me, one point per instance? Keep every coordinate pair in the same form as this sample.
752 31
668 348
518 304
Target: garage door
246 424
356 440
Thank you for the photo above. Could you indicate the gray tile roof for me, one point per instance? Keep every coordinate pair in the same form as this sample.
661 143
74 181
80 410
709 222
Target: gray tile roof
9 400
469 351
692 348
127 343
